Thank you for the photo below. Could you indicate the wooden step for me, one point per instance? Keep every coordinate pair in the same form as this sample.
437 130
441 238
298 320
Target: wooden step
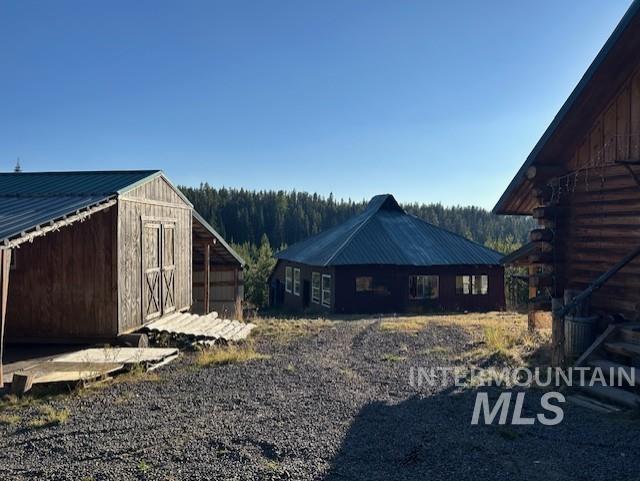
606 366
593 404
623 348
613 395
630 334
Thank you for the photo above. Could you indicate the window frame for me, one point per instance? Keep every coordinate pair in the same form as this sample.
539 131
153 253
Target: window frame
288 279
296 282
420 281
474 280
316 298
323 290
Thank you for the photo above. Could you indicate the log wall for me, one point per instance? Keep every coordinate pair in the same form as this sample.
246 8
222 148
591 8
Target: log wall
598 220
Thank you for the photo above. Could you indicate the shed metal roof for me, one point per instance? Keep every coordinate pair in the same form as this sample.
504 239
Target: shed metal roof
31 199
385 234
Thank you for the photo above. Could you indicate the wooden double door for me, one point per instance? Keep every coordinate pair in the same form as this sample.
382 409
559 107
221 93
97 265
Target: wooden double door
158 267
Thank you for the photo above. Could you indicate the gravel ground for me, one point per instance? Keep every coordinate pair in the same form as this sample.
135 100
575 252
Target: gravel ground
335 404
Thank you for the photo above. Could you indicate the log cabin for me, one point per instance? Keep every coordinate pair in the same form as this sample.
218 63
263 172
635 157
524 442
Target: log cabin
385 260
581 182
90 256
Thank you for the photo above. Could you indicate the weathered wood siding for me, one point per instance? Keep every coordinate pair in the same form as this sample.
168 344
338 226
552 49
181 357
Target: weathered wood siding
226 290
63 285
154 199
599 219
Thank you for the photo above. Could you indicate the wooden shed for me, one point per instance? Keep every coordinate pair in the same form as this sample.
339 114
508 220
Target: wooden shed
88 256
582 184
385 260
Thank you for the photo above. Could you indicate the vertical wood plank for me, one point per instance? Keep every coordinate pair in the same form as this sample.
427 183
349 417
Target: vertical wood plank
207 280
610 147
623 113
5 263
634 126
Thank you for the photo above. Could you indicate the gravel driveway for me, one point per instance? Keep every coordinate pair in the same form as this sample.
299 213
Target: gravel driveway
334 404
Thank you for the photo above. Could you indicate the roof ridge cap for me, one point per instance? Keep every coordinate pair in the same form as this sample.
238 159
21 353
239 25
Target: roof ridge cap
351 236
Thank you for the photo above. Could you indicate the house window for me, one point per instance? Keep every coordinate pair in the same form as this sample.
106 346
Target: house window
12 262
480 285
364 284
326 290
463 284
424 287
476 285
315 287
296 282
288 278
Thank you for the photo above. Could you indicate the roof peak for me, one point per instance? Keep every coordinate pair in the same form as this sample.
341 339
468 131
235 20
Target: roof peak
384 202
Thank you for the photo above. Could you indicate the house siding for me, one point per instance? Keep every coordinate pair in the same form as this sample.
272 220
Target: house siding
345 299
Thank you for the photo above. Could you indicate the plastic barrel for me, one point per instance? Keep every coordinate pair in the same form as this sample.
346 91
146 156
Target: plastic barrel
579 333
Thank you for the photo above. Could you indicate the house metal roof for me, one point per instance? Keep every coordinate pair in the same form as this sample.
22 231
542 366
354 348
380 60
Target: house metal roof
31 199
385 234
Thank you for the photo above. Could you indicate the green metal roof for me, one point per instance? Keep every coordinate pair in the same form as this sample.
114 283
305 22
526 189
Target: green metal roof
385 234
31 199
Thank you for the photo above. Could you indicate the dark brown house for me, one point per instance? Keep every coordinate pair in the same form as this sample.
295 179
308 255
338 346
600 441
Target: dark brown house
385 260
88 256
582 183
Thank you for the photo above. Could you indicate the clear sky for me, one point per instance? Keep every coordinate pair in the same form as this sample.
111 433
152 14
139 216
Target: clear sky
433 101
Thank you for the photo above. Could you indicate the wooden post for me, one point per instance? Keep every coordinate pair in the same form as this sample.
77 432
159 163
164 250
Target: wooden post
533 292
557 333
238 309
5 264
207 281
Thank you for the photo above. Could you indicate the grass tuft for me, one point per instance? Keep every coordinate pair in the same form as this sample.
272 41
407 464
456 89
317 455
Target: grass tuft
284 331
228 355
49 416
393 358
408 325
9 419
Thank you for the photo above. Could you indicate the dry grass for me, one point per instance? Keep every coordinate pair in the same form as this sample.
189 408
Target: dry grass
392 358
49 416
409 325
9 419
228 355
500 335
284 331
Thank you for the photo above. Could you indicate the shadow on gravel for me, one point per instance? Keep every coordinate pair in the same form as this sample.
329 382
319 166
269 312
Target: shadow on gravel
402 441
432 438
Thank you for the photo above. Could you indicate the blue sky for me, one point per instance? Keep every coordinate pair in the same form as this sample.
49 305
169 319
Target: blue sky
431 101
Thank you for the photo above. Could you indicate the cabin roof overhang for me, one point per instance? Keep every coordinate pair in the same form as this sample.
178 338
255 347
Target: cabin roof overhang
613 65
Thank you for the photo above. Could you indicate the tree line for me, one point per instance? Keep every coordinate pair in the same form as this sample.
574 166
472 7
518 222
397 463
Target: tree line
244 216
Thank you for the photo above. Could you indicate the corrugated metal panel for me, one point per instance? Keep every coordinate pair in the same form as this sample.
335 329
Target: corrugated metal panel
31 199
385 234
70 183
20 214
